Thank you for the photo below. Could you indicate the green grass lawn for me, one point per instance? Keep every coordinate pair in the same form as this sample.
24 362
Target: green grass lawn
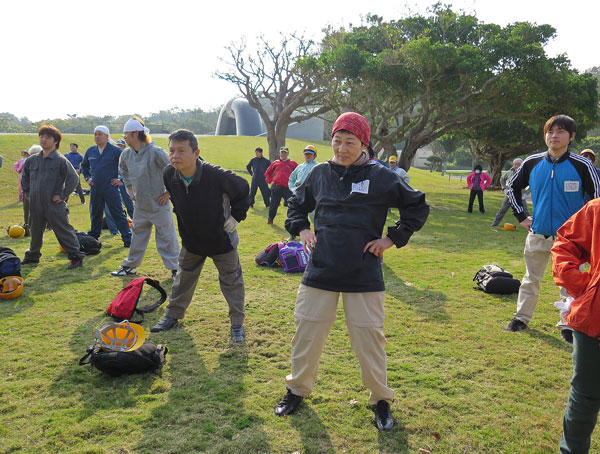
463 385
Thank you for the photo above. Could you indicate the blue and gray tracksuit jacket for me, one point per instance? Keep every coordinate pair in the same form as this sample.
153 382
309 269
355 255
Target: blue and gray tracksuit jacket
557 189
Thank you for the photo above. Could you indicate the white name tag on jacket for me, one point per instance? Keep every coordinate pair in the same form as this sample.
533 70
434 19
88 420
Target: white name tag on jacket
361 187
571 186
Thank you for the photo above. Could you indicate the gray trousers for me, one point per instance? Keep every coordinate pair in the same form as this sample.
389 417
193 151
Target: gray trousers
231 281
504 208
55 215
165 234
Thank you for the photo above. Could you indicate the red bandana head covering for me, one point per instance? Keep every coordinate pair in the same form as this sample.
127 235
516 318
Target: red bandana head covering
354 123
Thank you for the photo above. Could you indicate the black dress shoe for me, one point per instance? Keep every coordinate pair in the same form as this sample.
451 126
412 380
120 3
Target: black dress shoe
165 324
383 415
288 404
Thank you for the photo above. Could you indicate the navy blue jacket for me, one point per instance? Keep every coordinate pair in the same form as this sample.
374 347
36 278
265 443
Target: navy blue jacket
257 167
557 188
101 168
74 158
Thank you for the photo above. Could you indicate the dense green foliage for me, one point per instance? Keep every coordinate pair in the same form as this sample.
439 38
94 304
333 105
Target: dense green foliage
463 385
164 121
424 76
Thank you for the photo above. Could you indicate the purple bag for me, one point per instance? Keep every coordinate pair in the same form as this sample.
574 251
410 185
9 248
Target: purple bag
293 258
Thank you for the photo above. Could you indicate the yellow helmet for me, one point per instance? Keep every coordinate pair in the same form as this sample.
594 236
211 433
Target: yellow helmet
11 287
122 337
16 231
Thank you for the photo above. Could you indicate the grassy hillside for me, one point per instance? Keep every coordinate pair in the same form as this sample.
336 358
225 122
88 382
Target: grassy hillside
462 384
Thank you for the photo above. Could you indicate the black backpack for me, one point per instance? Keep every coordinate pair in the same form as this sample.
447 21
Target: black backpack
148 357
493 279
269 256
88 244
10 264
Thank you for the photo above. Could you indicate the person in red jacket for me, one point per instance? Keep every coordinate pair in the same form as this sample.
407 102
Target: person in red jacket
578 242
478 181
278 175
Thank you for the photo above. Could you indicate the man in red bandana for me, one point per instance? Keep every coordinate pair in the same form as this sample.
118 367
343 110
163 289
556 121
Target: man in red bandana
351 196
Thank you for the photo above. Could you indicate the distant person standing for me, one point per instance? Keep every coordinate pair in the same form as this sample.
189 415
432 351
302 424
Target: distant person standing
504 179
75 159
278 176
141 167
393 163
100 167
48 178
589 154
300 173
19 169
478 181
122 189
257 168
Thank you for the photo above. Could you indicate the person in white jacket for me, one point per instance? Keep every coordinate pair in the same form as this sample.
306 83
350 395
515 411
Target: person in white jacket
141 168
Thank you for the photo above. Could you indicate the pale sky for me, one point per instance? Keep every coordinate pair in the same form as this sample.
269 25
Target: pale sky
122 57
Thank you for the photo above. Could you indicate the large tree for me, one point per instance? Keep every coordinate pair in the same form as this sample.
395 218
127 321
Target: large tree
421 77
269 79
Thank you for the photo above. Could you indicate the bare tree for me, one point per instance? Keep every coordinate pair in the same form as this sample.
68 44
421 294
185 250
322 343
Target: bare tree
271 82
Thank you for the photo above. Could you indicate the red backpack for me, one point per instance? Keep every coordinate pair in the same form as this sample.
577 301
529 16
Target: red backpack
125 303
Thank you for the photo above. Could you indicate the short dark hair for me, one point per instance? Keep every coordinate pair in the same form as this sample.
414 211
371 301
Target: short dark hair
183 134
51 130
73 143
260 150
562 121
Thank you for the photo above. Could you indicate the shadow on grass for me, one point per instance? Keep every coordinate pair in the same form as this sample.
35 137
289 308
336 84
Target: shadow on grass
552 341
8 308
394 441
205 408
313 433
427 303
97 392
61 275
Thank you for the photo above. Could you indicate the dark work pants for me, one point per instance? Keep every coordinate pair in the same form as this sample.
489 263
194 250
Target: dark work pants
479 194
260 183
56 216
26 210
278 193
110 196
584 398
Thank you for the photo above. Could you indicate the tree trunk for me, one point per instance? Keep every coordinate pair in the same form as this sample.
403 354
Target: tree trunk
276 140
444 167
388 150
496 164
408 154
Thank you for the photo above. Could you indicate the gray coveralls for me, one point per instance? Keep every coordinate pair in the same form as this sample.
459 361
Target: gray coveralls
42 179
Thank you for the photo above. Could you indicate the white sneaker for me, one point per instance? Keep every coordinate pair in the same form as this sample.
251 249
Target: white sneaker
124 271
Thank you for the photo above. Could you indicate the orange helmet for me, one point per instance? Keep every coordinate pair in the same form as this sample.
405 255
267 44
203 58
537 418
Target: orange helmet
11 287
123 337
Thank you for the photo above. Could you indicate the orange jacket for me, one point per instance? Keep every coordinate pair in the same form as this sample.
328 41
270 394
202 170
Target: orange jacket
578 242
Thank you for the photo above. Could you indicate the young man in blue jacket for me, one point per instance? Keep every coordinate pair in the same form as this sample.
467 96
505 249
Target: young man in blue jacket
559 181
100 167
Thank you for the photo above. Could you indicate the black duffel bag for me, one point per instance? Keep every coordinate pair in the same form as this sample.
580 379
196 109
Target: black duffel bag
148 357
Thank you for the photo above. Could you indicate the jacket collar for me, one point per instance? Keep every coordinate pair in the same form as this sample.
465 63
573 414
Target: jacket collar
562 158
178 177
